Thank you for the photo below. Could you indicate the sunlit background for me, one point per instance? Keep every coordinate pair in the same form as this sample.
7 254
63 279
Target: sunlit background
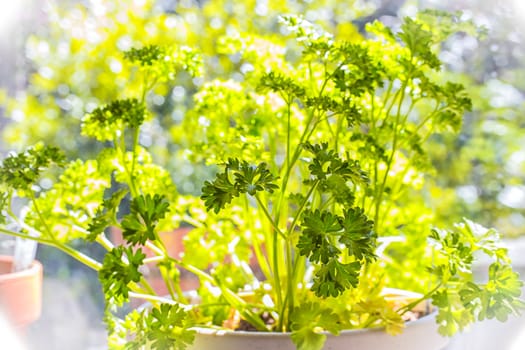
59 58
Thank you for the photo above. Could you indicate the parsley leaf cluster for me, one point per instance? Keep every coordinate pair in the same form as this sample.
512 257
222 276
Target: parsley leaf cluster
239 177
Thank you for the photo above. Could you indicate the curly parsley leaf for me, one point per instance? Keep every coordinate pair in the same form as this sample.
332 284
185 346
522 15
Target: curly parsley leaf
458 253
252 179
460 303
21 171
163 327
343 106
219 193
454 101
321 239
419 41
307 323
237 178
358 234
145 56
333 278
146 211
316 241
106 214
338 188
167 327
359 71
451 317
445 23
163 62
119 268
66 207
103 122
280 83
327 162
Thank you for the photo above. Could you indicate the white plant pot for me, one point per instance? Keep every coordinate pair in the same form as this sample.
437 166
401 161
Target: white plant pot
418 335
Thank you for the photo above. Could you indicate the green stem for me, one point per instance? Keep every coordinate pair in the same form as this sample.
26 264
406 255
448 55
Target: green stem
428 117
404 309
121 151
339 126
154 248
154 260
275 257
292 266
86 260
144 285
269 217
289 302
158 242
104 242
301 208
153 298
392 104
169 284
232 298
188 219
307 132
289 112
24 236
136 133
41 217
261 257
162 254
133 185
380 193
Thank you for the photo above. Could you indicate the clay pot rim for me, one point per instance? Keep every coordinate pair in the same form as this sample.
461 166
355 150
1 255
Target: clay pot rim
34 269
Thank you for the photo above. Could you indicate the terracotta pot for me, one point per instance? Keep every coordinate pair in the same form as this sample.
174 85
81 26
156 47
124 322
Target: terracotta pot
20 293
419 334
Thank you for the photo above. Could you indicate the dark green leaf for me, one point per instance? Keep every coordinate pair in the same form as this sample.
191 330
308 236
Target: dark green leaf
280 83
316 241
335 277
106 214
359 71
145 56
237 178
21 171
327 162
119 268
358 234
146 211
104 122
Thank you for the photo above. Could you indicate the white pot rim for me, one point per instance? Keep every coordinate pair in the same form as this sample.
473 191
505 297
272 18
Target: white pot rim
430 317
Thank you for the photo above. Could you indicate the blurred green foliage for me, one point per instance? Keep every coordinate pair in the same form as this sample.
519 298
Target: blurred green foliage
76 61
483 176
